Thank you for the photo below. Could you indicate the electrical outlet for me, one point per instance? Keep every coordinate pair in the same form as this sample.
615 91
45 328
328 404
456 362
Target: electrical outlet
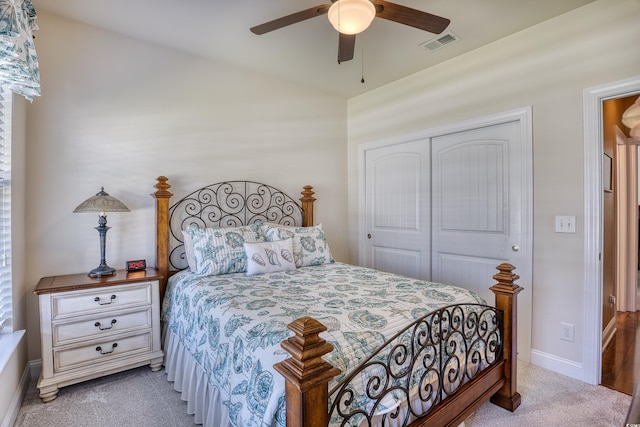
567 332
612 299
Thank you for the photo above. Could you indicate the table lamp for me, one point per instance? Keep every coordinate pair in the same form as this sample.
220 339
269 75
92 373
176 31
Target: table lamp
102 203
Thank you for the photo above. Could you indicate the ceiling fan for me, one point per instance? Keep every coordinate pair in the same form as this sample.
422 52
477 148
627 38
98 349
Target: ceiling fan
362 12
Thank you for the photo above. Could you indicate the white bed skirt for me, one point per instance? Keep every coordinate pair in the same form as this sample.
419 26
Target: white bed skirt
203 400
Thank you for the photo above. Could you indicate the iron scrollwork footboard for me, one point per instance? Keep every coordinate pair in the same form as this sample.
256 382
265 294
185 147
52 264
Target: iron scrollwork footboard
421 365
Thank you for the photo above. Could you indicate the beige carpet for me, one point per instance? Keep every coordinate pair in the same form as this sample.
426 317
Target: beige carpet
137 397
143 398
550 399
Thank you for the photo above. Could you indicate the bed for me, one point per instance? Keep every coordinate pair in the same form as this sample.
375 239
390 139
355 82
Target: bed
262 327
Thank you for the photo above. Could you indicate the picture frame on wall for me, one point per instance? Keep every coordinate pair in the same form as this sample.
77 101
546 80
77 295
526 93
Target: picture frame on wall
607 173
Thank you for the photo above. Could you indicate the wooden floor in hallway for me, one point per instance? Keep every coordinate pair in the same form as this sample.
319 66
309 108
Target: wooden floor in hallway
621 358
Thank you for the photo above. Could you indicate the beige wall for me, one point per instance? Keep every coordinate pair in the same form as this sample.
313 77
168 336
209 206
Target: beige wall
547 67
118 112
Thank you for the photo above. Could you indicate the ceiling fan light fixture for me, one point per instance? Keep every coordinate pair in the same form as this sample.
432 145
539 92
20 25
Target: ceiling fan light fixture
351 16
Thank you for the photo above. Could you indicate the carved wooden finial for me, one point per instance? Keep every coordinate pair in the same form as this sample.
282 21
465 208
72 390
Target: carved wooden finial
307 200
506 277
307 194
163 188
306 349
306 374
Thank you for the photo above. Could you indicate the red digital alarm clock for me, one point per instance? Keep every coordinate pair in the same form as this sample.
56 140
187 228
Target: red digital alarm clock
136 265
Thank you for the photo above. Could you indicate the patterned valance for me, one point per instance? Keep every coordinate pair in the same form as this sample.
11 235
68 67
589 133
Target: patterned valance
19 69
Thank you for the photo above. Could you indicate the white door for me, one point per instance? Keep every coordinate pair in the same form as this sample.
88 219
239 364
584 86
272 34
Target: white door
479 197
476 205
397 206
451 208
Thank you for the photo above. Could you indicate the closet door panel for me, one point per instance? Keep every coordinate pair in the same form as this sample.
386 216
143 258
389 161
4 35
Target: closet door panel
397 209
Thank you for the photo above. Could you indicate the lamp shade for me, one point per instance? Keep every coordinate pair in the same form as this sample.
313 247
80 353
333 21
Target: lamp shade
101 202
351 16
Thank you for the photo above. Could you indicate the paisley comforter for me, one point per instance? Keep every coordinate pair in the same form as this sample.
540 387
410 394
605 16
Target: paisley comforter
233 324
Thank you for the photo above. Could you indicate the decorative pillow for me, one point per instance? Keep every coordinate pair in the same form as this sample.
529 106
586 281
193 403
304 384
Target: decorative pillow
310 245
286 231
221 250
269 257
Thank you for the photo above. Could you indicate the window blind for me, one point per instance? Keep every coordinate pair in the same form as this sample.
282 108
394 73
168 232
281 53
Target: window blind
6 325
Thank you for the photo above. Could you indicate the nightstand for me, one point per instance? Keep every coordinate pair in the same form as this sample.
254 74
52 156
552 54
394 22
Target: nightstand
91 327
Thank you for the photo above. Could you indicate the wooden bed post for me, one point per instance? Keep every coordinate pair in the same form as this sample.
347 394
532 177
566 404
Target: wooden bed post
306 374
307 200
507 300
162 197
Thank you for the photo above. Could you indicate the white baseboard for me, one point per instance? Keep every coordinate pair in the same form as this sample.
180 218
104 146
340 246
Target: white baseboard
14 407
557 364
608 333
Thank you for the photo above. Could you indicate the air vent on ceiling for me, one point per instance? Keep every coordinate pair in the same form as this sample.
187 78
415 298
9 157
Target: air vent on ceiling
440 41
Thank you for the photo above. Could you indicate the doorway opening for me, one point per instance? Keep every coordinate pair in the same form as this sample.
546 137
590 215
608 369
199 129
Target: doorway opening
595 299
620 249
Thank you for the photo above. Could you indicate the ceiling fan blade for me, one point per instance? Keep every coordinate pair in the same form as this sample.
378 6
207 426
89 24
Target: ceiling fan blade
303 15
412 17
346 46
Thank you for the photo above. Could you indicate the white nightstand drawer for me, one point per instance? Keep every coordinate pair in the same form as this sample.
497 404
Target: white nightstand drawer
94 301
101 325
101 351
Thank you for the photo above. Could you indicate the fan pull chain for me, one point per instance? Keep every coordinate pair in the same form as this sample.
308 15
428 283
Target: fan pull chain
362 65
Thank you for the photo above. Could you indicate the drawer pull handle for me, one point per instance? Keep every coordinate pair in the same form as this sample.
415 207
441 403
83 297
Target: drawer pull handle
99 326
99 301
113 347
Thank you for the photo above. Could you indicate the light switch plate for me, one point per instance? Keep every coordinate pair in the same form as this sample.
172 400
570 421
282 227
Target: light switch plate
565 224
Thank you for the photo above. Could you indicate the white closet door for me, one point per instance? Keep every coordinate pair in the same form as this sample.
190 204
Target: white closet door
479 193
476 209
397 219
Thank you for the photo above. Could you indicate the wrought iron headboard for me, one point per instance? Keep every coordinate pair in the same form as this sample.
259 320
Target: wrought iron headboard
228 204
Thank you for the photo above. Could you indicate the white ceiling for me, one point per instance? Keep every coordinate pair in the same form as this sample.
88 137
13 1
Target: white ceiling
306 52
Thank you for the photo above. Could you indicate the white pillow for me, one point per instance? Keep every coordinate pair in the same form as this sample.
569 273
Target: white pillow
269 257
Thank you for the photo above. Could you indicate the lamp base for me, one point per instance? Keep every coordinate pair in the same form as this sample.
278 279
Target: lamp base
102 270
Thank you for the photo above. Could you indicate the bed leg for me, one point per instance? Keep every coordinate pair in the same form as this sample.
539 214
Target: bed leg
306 374
506 292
